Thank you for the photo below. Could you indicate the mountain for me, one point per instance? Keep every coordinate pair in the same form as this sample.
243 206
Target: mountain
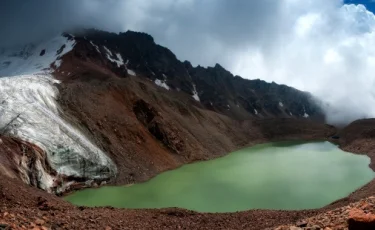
214 87
94 107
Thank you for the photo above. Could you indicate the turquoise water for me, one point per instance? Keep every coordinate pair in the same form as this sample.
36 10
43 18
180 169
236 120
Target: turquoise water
284 175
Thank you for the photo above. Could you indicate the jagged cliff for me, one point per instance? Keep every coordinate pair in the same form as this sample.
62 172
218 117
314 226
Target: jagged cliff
214 87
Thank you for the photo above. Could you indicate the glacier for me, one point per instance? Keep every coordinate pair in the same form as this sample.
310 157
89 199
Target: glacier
29 111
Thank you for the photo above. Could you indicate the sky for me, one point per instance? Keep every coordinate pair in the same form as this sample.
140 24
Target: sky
326 47
370 4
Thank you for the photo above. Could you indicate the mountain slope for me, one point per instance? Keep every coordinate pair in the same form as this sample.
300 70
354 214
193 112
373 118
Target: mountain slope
216 88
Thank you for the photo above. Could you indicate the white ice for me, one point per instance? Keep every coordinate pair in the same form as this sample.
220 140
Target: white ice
131 72
119 61
195 93
305 115
96 47
29 111
27 59
161 84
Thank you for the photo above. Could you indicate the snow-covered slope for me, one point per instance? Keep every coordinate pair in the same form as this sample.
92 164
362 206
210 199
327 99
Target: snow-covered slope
32 59
29 111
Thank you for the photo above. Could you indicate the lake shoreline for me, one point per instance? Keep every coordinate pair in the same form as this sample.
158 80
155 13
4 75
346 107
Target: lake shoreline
36 202
355 195
265 173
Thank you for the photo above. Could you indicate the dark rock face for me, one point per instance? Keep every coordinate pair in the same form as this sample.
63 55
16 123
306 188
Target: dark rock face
166 134
214 87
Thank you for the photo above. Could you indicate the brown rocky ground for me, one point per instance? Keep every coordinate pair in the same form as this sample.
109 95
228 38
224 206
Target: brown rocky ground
358 215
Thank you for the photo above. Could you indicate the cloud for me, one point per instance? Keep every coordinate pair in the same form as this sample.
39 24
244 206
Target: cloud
322 46
331 53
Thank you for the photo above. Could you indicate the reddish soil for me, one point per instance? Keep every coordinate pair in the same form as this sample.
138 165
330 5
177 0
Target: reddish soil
357 216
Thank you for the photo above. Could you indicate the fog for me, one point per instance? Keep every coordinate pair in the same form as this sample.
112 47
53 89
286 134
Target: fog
325 47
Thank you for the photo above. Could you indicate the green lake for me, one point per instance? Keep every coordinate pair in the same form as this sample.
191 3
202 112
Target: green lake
282 175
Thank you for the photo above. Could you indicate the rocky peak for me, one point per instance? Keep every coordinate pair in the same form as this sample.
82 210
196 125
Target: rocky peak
214 87
140 37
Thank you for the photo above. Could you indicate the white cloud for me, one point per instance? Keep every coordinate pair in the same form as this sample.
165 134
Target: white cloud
321 46
330 53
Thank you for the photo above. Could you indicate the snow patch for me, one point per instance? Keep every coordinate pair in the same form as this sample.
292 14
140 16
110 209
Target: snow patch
305 115
131 72
96 47
195 93
161 84
119 58
119 61
57 63
281 104
108 51
256 112
29 58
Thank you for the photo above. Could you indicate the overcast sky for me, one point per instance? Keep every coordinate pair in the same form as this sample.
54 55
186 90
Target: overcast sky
322 46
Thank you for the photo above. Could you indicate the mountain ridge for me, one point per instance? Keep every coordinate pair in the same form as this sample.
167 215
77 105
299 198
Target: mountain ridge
215 87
